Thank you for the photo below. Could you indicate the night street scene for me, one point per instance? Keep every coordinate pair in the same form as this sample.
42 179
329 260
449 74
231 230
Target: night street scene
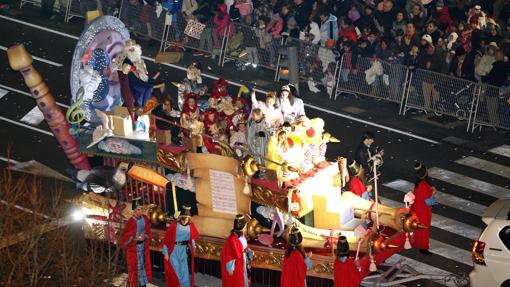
241 143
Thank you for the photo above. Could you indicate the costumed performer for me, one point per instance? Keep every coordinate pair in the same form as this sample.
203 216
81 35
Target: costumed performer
191 84
191 121
179 250
236 256
258 134
238 138
220 91
273 115
296 262
243 101
136 86
213 130
345 272
166 130
290 106
135 238
422 207
357 179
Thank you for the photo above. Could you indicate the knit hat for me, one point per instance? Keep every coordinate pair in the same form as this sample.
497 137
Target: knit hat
421 170
295 236
427 38
342 247
239 222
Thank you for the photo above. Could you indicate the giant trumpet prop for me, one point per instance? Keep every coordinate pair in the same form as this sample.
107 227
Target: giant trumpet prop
21 60
399 219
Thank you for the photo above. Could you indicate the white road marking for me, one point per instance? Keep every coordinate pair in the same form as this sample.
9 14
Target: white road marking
503 150
9 160
25 126
238 84
468 182
38 59
443 222
28 94
3 93
441 197
34 117
485 165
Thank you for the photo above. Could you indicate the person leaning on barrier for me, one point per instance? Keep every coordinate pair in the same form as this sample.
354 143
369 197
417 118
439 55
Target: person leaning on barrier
431 61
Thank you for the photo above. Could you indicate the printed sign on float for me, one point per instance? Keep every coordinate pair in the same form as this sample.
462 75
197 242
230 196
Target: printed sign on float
223 192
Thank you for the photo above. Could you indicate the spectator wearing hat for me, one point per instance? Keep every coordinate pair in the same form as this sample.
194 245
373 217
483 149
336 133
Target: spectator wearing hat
236 256
426 40
295 262
179 250
346 274
422 207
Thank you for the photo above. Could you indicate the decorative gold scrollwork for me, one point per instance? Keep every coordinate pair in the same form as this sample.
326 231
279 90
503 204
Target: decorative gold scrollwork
267 197
171 161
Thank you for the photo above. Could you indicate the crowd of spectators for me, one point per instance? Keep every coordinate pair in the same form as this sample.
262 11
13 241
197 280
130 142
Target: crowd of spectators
462 38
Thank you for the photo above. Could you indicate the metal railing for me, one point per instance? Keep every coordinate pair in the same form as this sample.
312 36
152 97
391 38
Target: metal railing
477 103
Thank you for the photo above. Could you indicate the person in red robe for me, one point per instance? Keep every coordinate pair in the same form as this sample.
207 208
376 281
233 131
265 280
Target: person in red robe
296 262
346 274
179 250
135 238
236 257
357 177
422 207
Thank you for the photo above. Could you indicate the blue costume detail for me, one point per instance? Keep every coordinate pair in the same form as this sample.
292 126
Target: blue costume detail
140 252
248 255
179 256
100 61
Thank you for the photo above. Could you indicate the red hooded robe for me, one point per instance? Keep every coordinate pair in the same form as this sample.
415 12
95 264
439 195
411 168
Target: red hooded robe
346 273
293 270
424 213
217 92
233 249
169 240
356 186
131 258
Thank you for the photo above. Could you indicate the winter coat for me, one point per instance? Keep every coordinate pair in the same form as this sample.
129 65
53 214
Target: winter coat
329 30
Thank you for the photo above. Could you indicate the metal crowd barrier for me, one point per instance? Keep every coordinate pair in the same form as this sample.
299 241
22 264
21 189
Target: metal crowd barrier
442 94
143 20
492 108
249 45
373 78
78 8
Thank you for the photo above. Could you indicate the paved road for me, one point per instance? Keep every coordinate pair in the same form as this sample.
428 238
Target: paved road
468 180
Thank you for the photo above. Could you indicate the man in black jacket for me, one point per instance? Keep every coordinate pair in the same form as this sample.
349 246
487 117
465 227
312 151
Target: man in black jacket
364 151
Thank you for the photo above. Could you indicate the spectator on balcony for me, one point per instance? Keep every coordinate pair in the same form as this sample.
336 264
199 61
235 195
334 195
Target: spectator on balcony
292 28
400 22
302 11
189 7
329 27
426 40
350 58
222 25
275 26
311 34
493 34
477 17
285 15
245 10
452 44
368 21
382 51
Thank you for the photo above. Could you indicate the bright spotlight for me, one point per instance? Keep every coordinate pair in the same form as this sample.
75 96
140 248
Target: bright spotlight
78 215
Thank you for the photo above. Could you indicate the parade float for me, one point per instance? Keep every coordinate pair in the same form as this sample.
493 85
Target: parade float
275 192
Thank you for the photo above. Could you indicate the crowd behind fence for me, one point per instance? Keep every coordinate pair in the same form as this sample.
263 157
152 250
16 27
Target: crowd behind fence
476 103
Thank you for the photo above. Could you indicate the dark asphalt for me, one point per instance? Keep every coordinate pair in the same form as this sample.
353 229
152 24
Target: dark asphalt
401 150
